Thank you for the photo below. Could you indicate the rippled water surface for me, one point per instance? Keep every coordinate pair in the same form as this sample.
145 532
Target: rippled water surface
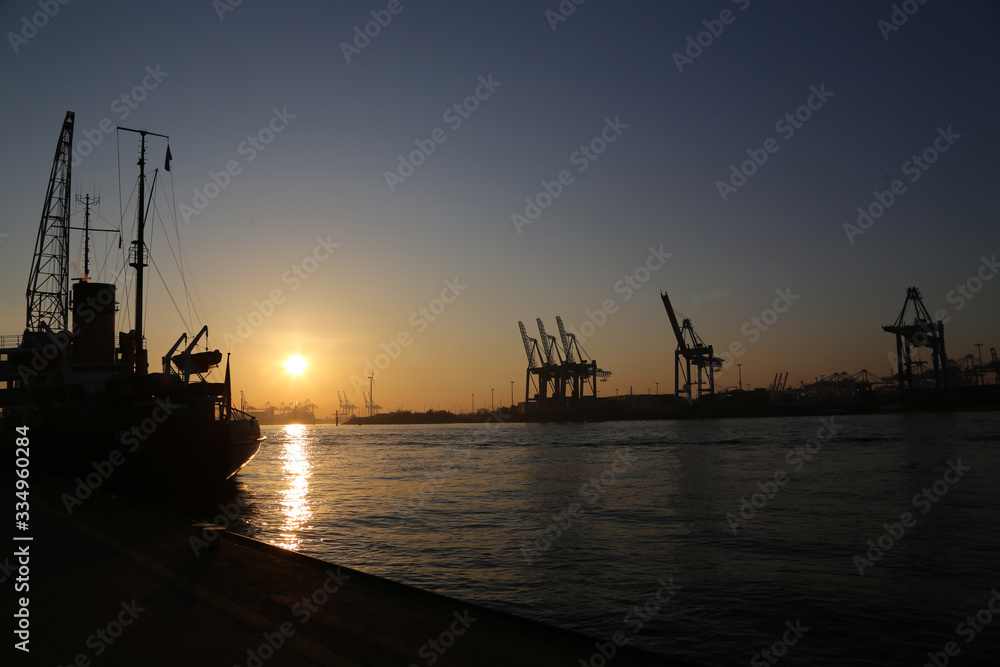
579 524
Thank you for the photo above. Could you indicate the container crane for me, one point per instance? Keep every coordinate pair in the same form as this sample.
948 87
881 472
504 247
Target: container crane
564 337
545 373
921 332
695 352
557 360
561 366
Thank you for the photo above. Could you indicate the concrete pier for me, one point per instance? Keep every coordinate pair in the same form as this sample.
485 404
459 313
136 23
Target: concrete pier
119 583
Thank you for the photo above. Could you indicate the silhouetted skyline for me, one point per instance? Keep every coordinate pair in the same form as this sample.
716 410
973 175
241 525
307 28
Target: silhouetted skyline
410 179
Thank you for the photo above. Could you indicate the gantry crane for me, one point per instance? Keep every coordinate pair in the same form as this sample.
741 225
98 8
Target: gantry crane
561 367
564 337
545 373
579 371
553 358
695 352
921 332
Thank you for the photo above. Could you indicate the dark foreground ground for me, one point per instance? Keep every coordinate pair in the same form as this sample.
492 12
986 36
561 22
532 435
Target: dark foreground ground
119 583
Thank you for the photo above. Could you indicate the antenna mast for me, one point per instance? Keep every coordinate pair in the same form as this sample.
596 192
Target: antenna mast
86 201
138 245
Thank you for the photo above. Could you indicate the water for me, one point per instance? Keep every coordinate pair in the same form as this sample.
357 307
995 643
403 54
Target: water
517 517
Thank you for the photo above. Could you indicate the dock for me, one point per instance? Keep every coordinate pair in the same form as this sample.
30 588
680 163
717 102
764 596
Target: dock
116 582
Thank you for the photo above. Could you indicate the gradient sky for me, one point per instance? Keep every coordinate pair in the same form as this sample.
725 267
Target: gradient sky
224 74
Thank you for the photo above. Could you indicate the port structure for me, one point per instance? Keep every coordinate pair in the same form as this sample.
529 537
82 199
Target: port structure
564 373
48 286
779 383
922 331
346 407
695 353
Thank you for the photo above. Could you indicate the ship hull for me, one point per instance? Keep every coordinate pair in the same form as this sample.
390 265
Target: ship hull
114 441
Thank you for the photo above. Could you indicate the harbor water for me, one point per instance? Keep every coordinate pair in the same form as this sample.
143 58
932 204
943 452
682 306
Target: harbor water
846 539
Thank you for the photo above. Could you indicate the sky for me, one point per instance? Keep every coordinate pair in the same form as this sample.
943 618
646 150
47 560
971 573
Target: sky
410 179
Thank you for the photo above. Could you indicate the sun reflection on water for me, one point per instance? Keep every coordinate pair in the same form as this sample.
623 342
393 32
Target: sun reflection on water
296 471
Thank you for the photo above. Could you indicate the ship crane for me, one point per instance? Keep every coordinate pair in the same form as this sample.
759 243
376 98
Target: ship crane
693 350
922 331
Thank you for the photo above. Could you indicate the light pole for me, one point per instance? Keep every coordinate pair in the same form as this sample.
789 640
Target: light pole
740 367
979 374
492 389
512 394
657 388
473 403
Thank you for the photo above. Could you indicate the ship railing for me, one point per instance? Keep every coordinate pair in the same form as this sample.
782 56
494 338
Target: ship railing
239 415
10 341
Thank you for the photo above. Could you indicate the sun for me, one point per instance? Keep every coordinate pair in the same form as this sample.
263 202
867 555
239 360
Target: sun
296 364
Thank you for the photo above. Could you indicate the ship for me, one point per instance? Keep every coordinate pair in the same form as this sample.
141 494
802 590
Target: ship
78 399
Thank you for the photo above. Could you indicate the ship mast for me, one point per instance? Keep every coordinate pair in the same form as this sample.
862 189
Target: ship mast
87 201
136 255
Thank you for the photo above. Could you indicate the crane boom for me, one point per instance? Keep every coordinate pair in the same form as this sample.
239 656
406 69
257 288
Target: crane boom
48 285
673 322
567 347
546 340
527 346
